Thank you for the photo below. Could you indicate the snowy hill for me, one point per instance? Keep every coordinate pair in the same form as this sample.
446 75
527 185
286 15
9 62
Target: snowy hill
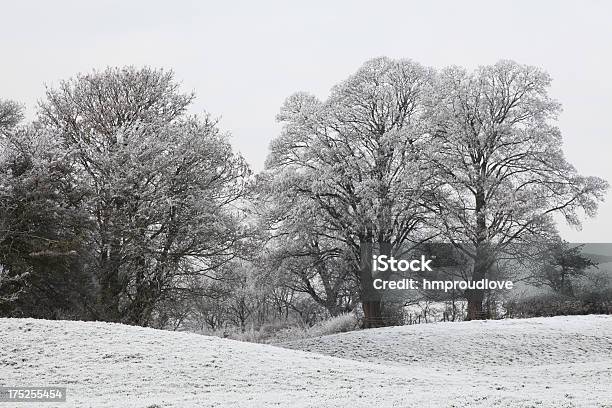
540 341
553 362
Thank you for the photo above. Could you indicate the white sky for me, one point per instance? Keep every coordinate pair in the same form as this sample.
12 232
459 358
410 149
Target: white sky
244 58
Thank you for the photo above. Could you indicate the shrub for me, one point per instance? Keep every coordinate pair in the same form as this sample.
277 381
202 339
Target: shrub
282 332
554 304
339 324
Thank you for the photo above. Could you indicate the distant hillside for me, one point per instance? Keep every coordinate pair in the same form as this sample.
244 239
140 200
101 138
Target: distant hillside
597 258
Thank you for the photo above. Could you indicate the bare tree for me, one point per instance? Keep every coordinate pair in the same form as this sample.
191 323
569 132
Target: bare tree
359 159
163 185
501 163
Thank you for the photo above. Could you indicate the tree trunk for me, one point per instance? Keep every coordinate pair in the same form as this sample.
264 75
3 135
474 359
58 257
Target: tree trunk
372 314
482 261
370 299
474 309
111 287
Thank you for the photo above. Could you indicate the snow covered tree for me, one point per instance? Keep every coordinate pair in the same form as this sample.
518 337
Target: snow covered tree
562 264
500 161
303 252
42 229
11 113
163 185
359 159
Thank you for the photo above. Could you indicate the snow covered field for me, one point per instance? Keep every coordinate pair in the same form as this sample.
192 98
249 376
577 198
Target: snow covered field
544 362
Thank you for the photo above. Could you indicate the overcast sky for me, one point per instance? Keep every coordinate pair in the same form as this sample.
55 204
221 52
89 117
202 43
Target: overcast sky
244 58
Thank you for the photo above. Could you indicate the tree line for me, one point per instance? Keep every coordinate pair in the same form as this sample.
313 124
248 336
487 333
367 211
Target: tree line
117 204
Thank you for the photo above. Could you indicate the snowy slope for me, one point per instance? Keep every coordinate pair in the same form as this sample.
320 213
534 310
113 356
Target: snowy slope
539 341
556 362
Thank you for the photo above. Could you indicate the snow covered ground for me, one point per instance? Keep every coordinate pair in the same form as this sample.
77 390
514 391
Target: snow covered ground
545 362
